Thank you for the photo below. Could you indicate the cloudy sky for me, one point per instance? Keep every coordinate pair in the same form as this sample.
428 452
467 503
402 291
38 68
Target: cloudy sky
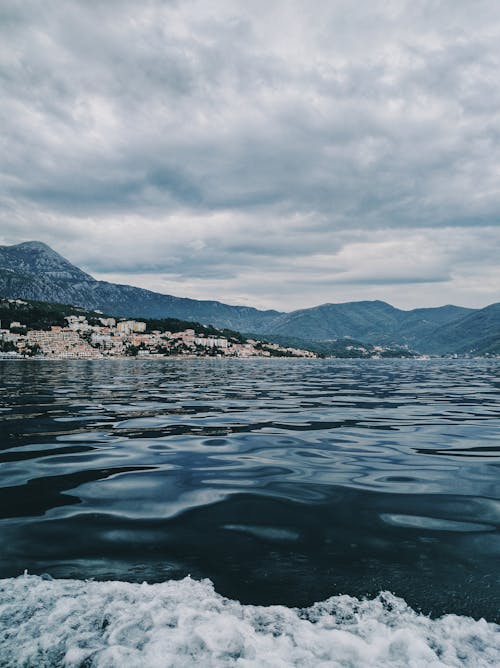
277 153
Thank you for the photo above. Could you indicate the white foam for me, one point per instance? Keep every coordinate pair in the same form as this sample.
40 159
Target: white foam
73 623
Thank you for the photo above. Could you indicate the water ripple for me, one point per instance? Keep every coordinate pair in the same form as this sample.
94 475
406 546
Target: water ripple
322 476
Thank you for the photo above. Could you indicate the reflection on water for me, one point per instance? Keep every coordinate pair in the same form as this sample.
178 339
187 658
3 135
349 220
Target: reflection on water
282 481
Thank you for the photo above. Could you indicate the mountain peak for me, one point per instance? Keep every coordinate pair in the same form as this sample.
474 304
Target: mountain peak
365 303
36 245
37 248
36 257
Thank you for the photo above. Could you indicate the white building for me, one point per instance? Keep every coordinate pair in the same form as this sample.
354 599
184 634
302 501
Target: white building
131 326
211 342
108 322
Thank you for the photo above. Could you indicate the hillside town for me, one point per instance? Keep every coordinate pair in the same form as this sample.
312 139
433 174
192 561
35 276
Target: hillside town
111 337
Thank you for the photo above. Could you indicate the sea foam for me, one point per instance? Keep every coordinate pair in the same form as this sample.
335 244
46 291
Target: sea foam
73 623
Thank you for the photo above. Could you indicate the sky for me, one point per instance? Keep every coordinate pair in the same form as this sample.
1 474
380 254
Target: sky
279 154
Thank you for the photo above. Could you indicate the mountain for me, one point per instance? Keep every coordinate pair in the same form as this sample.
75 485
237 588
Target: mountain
418 327
38 259
367 321
476 333
335 321
33 270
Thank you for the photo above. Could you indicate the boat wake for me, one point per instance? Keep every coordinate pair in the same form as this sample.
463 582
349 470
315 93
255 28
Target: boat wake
83 624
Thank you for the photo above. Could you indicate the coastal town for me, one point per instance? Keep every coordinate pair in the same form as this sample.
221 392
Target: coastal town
46 330
98 337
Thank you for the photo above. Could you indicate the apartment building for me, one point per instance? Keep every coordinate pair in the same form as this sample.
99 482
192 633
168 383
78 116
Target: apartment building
62 343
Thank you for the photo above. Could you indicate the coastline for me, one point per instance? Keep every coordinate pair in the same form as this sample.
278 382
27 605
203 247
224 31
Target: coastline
166 358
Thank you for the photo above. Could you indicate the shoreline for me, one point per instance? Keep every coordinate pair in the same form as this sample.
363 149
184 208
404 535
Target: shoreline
190 358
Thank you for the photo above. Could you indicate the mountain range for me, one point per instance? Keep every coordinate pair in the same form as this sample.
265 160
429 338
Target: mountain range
33 270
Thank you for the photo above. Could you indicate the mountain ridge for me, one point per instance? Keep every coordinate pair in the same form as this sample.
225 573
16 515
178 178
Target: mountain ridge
33 270
40 273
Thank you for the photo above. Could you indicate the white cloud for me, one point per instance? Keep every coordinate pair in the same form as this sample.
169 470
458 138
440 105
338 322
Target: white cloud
280 155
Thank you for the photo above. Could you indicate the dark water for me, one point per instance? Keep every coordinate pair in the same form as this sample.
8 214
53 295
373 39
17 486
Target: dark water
281 481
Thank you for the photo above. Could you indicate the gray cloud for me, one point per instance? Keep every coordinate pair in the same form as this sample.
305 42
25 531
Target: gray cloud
224 147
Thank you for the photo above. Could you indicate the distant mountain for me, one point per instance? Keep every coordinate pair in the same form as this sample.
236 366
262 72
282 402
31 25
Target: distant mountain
417 328
442 330
476 333
335 321
38 259
32 270
367 321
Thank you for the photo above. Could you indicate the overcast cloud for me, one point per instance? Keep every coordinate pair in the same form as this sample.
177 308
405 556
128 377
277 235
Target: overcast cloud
279 154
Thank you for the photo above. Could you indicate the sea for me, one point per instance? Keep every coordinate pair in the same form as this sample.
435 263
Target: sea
250 513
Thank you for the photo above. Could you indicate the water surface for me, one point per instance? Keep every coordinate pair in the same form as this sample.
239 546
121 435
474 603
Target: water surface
282 481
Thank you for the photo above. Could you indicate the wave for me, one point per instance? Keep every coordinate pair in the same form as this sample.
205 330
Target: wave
185 623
